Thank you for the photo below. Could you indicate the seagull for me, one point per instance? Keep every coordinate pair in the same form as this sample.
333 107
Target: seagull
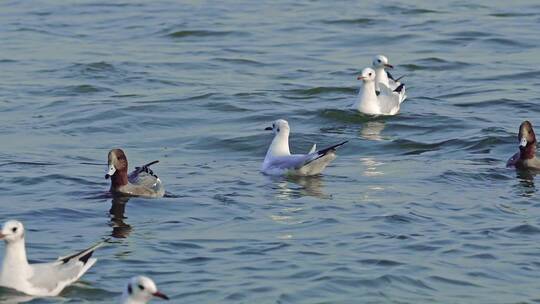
43 279
280 161
140 290
387 102
379 64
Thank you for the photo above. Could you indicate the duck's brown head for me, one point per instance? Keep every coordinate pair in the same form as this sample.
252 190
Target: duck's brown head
527 140
117 164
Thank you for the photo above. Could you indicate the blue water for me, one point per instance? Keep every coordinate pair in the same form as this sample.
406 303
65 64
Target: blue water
417 208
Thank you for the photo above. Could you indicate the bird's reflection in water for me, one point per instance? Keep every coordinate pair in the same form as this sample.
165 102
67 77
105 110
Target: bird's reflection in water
297 186
372 130
371 166
118 207
371 170
526 182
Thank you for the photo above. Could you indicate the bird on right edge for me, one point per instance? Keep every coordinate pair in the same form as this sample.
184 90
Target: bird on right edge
140 290
525 158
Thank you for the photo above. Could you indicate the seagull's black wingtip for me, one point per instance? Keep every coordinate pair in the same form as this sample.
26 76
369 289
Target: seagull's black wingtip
86 257
399 88
331 148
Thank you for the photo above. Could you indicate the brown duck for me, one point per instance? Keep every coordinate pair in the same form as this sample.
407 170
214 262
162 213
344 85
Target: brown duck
141 182
526 157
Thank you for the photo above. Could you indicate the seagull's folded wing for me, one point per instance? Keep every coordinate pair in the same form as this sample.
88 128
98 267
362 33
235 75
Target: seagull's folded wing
389 100
291 162
51 277
385 90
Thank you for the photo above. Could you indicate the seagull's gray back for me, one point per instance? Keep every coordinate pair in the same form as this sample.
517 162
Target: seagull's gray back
50 275
298 164
388 100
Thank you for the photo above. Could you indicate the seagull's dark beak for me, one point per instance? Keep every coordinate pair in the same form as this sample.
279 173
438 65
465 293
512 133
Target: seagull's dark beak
389 66
2 235
360 77
160 295
268 129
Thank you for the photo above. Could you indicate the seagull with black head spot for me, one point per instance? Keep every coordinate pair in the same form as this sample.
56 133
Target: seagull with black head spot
383 79
525 158
140 290
280 161
42 279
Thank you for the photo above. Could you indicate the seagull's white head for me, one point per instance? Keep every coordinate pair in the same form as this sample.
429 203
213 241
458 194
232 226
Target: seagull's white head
380 61
12 231
368 74
142 289
279 126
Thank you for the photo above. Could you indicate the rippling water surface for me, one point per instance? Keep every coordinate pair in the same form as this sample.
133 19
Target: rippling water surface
417 208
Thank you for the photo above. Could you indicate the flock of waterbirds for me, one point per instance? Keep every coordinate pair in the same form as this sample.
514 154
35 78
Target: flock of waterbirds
380 94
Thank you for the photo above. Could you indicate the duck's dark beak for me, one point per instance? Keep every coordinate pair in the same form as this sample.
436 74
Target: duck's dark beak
110 171
268 129
160 295
389 66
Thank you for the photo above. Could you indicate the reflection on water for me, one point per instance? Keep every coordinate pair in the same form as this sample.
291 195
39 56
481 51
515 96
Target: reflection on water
291 187
371 166
371 169
526 182
8 295
372 130
118 207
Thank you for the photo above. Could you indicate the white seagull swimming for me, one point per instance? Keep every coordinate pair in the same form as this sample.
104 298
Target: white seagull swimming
380 64
280 161
43 279
140 290
373 102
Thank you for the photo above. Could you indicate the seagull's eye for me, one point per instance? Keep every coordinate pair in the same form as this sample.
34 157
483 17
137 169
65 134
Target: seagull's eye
378 60
14 229
369 74
278 129
141 287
